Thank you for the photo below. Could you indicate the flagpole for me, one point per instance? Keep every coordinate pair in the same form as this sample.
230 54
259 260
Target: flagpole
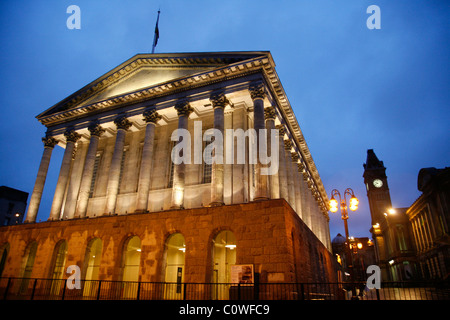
156 36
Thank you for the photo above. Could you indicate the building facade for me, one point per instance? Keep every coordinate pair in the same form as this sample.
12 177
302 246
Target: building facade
13 203
429 217
120 183
410 243
391 230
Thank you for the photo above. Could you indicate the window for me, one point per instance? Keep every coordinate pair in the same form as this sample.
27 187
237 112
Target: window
122 169
171 165
30 255
92 265
130 266
175 254
224 255
57 271
207 166
95 173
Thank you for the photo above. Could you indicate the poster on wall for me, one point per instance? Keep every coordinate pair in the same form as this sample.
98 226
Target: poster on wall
242 273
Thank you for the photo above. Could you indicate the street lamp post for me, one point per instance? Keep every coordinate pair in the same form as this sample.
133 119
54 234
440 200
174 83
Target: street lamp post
334 206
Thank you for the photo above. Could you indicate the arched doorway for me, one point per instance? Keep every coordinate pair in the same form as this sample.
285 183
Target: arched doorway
224 256
175 249
28 262
58 263
130 267
92 266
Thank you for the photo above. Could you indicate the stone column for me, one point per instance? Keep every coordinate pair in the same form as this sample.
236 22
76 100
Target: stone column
151 117
257 93
184 110
71 138
88 171
303 190
219 102
274 180
112 189
290 178
282 174
297 192
35 200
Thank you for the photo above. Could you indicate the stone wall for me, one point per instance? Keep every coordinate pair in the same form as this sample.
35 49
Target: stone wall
269 235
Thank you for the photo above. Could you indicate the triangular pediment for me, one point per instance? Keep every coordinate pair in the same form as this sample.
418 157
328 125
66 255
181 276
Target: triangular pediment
144 71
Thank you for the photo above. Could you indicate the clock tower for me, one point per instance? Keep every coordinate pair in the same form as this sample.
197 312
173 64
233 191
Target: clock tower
379 197
377 187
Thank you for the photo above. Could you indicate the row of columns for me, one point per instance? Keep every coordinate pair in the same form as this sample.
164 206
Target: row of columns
286 183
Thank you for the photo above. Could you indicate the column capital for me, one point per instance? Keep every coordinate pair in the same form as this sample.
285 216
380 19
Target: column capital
122 123
281 130
183 108
219 100
257 91
71 135
49 142
269 113
96 130
294 156
150 115
287 145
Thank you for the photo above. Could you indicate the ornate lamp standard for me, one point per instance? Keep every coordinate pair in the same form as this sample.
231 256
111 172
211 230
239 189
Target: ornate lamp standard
334 204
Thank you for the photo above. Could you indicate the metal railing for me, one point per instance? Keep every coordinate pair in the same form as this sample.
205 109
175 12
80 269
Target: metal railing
51 289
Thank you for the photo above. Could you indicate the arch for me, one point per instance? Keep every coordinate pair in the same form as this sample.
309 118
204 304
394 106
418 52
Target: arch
91 266
4 250
57 266
131 260
174 253
223 257
27 265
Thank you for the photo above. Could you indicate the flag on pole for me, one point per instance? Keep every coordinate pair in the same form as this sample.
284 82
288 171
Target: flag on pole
156 37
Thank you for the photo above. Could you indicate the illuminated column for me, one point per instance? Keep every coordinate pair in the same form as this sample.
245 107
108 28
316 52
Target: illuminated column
290 178
282 174
303 189
257 93
88 170
274 180
295 175
151 117
122 124
219 102
184 110
35 200
71 138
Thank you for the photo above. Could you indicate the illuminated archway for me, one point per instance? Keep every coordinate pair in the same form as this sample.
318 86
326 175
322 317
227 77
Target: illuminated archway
175 249
92 266
130 267
224 256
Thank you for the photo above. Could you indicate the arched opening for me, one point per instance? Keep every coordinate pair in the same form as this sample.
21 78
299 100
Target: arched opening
224 256
175 249
57 270
4 250
92 266
28 262
130 267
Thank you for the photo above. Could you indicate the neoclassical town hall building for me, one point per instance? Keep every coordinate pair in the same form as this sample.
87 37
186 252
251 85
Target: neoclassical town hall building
123 210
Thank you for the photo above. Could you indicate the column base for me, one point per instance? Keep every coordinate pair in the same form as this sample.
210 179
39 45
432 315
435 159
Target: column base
176 207
261 199
141 211
216 204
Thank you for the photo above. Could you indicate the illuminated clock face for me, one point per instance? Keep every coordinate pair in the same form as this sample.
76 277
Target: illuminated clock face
377 183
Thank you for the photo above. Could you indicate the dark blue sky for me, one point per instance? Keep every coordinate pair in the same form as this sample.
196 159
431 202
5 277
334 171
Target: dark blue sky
351 88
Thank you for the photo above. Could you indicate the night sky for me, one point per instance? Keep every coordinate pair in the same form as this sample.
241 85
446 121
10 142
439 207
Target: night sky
351 88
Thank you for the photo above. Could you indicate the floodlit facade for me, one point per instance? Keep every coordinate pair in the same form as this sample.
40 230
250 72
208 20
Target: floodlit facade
124 210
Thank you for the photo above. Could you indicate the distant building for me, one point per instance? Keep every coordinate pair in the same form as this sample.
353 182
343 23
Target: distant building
410 243
13 203
362 254
429 216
